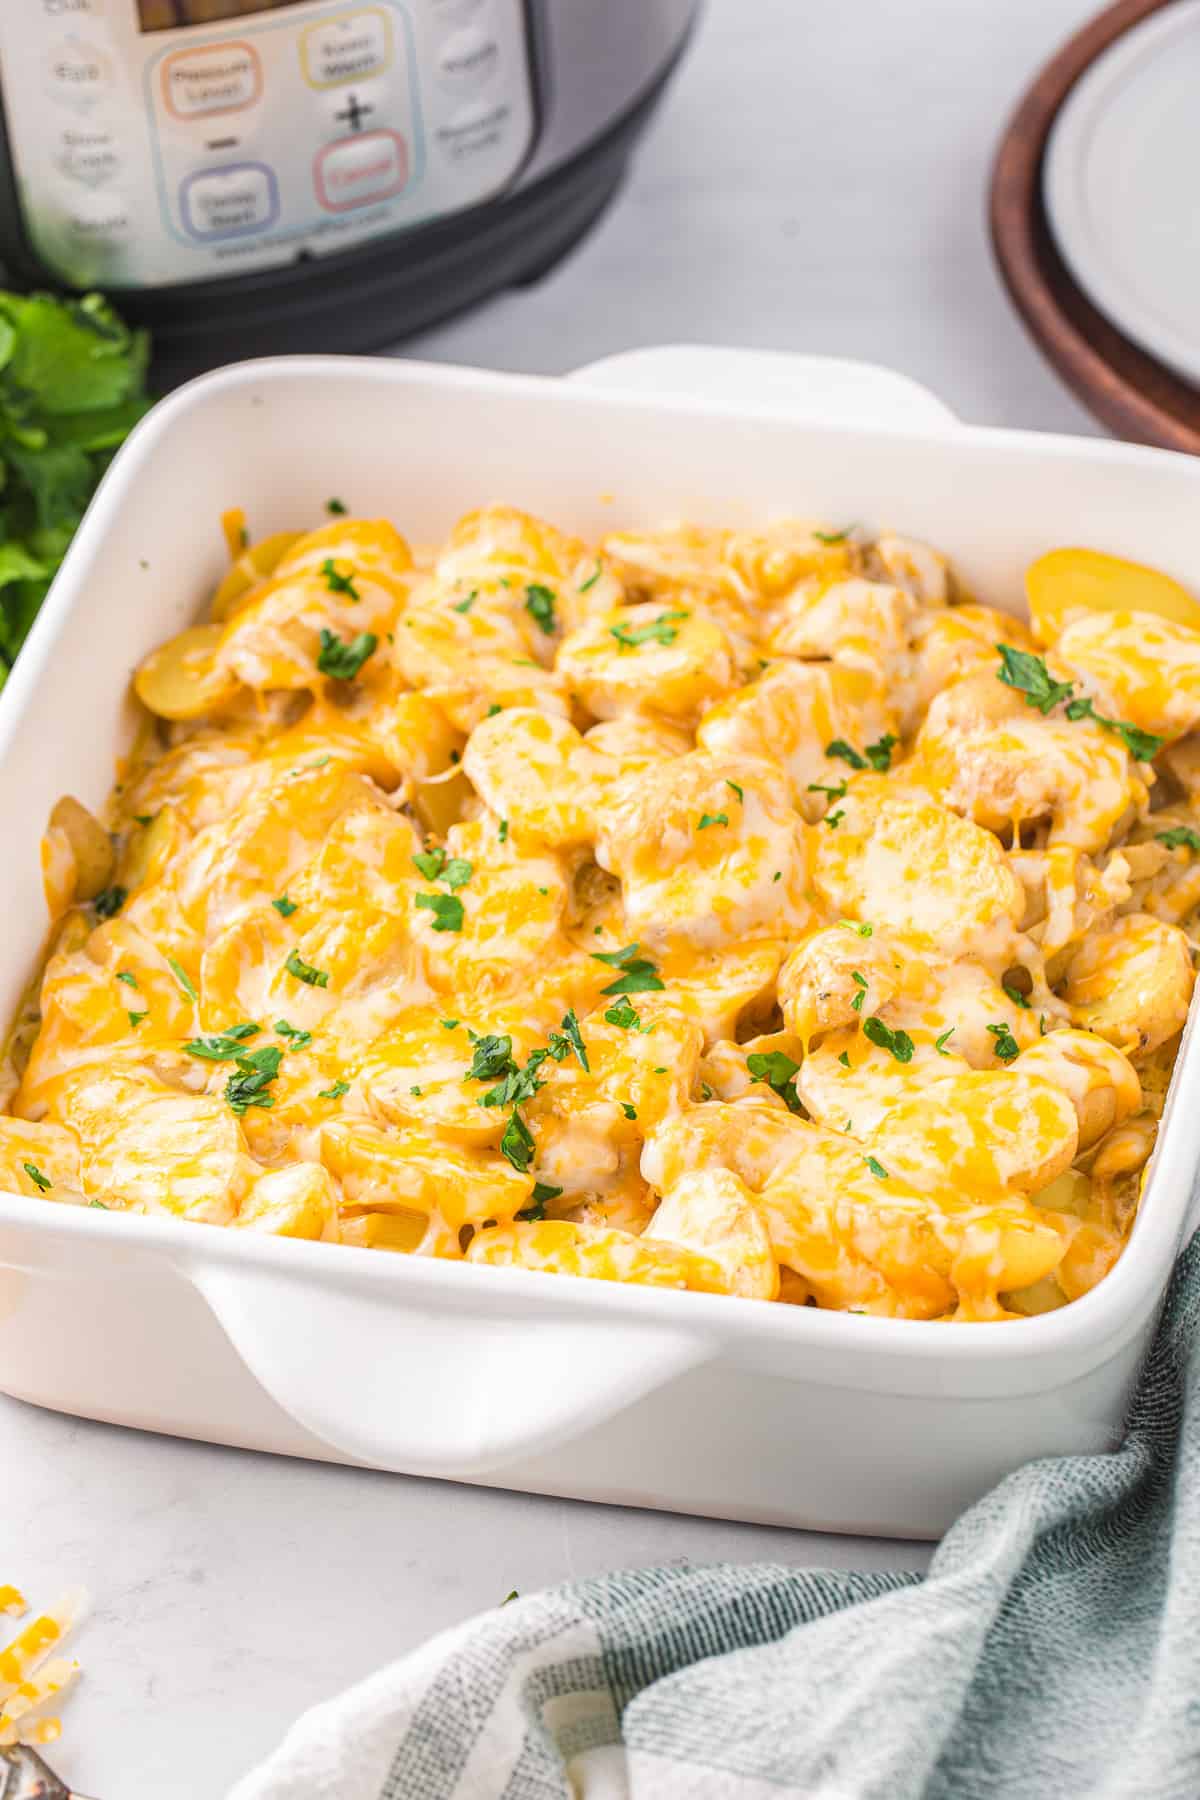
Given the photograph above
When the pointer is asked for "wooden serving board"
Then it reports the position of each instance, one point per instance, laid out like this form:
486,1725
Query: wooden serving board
1136,396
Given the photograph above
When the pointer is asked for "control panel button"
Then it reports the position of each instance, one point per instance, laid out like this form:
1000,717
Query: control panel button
230,202
468,58
88,155
474,130
220,78
98,219
348,47
78,74
357,170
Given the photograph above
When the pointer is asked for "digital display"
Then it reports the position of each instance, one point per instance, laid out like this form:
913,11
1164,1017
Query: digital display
168,15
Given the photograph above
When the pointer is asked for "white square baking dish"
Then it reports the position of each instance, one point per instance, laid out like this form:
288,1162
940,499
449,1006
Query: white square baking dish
693,1402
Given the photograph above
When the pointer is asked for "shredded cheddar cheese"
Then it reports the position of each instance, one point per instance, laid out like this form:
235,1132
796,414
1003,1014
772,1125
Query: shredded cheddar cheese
31,1678
739,911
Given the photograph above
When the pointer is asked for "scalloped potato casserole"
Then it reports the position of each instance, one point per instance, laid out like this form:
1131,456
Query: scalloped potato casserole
753,912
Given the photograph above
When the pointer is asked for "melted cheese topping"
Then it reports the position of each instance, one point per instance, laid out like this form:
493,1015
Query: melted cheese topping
698,911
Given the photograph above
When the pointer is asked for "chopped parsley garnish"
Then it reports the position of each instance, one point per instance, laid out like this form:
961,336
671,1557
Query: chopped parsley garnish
844,1059
1029,675
341,660
284,907
297,1039
1180,837
836,790
707,819
492,1057
1143,746
448,1024
847,752
736,789
833,537
493,709
98,1203
898,1042
430,863
336,507
253,1075
415,1090
629,1111
539,604
624,1015
638,974
338,583
662,630
834,819
41,1182
876,1167
860,982
879,754
458,872
940,1043
777,1070
109,901
447,910
135,1018
464,606
1006,1045
517,1145
569,1038
502,833
221,1046
182,977
778,875
335,1092
304,971
128,977
593,578
517,1085
1015,995
863,931
144,818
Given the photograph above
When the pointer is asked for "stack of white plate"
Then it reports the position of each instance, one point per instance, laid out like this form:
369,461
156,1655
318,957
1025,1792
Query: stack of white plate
1122,185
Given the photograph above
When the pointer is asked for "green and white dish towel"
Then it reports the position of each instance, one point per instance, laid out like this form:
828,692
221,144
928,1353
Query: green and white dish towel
1052,1652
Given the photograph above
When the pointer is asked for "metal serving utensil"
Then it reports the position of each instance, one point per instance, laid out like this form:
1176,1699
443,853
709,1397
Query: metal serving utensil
24,1776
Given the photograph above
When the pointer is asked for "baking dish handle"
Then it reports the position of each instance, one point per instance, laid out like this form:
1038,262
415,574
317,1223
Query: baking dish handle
425,1389
779,382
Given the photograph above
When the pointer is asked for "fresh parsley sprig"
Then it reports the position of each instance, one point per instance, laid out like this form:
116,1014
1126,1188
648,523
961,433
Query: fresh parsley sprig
662,630
638,974
897,1042
340,660
1029,676
778,1070
254,1073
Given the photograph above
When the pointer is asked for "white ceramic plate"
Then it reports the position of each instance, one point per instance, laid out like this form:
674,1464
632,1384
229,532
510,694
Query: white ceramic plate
1121,185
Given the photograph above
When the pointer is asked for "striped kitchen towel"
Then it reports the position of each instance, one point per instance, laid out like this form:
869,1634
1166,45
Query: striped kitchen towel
1051,1652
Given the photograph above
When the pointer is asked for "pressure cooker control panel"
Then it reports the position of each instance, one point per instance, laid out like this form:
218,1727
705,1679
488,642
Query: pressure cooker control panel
150,149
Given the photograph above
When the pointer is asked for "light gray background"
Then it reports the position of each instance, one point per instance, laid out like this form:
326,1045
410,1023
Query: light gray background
814,181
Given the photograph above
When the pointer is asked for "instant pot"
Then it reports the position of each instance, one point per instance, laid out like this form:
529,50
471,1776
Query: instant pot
249,176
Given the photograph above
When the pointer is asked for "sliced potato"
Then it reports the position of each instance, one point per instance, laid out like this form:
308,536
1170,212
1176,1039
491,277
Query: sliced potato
249,568
182,679
76,838
1066,581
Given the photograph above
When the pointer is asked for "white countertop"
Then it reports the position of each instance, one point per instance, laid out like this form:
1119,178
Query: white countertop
815,180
